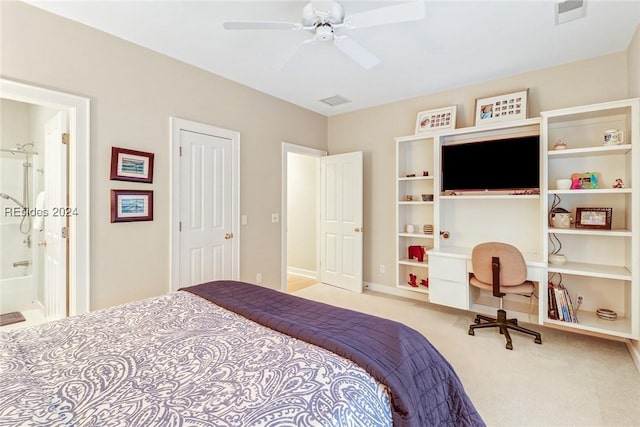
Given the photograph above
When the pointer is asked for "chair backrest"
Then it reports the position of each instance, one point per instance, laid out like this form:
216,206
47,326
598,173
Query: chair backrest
513,268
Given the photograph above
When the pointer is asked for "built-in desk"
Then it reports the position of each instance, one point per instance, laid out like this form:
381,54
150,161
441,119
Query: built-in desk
449,270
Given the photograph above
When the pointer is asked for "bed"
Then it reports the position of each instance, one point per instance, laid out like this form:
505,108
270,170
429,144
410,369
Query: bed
227,353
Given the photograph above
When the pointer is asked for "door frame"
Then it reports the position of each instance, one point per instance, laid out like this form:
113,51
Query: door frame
78,271
307,151
176,125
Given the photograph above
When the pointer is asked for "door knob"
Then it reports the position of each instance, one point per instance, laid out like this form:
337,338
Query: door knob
358,229
228,236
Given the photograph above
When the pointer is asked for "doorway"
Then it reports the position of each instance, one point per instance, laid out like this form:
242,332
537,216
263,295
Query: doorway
38,106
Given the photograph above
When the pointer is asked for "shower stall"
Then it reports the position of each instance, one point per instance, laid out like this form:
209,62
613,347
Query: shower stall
22,295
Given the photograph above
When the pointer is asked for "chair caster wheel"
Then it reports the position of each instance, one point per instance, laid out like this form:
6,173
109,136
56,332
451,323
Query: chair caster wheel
509,346
538,340
471,332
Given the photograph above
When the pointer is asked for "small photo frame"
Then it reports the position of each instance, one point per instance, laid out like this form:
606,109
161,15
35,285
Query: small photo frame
434,120
594,218
501,108
131,205
131,165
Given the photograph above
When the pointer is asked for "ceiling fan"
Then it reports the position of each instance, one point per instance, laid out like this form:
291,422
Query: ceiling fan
326,20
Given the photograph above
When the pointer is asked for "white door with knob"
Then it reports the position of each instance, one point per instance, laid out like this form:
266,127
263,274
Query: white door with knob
341,220
207,232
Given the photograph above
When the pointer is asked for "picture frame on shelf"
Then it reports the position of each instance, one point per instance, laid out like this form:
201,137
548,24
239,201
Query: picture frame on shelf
131,205
131,165
594,218
436,119
501,108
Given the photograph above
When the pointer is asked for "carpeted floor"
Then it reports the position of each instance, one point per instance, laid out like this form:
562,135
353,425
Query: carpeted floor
569,380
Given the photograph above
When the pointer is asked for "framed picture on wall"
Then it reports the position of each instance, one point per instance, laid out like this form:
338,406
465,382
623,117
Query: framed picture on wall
434,120
131,165
501,108
131,205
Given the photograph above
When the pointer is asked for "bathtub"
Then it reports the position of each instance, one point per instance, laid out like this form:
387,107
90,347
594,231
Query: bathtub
18,294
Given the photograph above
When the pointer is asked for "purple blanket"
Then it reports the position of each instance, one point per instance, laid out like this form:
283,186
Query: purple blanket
425,390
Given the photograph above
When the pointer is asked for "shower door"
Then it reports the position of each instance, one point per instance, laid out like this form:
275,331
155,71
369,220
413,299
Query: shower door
54,240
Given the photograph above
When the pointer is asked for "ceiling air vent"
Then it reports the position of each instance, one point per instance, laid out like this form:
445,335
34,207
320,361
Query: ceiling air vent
569,10
335,100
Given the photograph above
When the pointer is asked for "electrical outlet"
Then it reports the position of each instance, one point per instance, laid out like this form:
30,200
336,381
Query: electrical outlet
382,268
275,217
259,278
244,220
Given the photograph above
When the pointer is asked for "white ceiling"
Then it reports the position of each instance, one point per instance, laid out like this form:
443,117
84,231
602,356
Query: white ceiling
458,43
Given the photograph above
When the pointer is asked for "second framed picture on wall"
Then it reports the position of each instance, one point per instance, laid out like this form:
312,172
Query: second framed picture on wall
131,205
501,108
131,165
434,120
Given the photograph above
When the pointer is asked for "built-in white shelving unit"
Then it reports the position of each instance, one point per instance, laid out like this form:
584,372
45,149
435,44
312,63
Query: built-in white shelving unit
603,264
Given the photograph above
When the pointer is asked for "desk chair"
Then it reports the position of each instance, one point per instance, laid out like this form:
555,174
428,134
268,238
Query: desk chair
500,267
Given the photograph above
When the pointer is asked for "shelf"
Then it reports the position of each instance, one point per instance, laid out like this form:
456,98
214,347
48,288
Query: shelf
590,232
416,235
406,261
414,202
589,321
408,287
591,270
592,191
415,178
603,150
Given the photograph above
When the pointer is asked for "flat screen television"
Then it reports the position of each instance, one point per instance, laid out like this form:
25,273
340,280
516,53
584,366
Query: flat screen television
496,164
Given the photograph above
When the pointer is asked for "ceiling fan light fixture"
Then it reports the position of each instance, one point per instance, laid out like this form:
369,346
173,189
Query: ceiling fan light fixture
335,100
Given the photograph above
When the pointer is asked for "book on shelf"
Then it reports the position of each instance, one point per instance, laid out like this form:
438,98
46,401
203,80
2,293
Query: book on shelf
560,306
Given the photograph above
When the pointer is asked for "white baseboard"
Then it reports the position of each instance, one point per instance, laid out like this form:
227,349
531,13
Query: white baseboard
392,290
302,272
634,351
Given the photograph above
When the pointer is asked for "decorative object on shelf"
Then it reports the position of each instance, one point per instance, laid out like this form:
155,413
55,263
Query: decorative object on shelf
595,218
445,234
559,217
131,165
425,173
410,228
427,197
606,314
560,145
500,108
411,175
557,259
425,282
131,205
435,120
586,181
618,184
413,280
408,198
417,252
613,137
563,183
427,229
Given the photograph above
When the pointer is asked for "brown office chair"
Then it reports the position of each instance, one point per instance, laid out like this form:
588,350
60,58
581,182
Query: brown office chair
500,267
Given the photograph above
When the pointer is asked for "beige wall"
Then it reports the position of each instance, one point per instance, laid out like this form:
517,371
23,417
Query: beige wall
633,60
302,202
133,92
372,131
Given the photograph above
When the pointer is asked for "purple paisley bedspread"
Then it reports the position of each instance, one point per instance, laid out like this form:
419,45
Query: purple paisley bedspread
425,390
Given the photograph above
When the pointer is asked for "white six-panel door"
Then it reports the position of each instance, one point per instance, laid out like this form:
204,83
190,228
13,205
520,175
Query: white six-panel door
341,221
206,213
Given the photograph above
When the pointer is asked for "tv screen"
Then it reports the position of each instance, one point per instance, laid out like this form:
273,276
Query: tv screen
500,164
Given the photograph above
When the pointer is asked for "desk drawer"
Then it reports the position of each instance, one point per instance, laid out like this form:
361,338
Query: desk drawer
453,269
451,294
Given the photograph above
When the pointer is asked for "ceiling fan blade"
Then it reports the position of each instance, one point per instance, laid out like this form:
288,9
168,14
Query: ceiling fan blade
296,51
411,11
260,25
357,52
